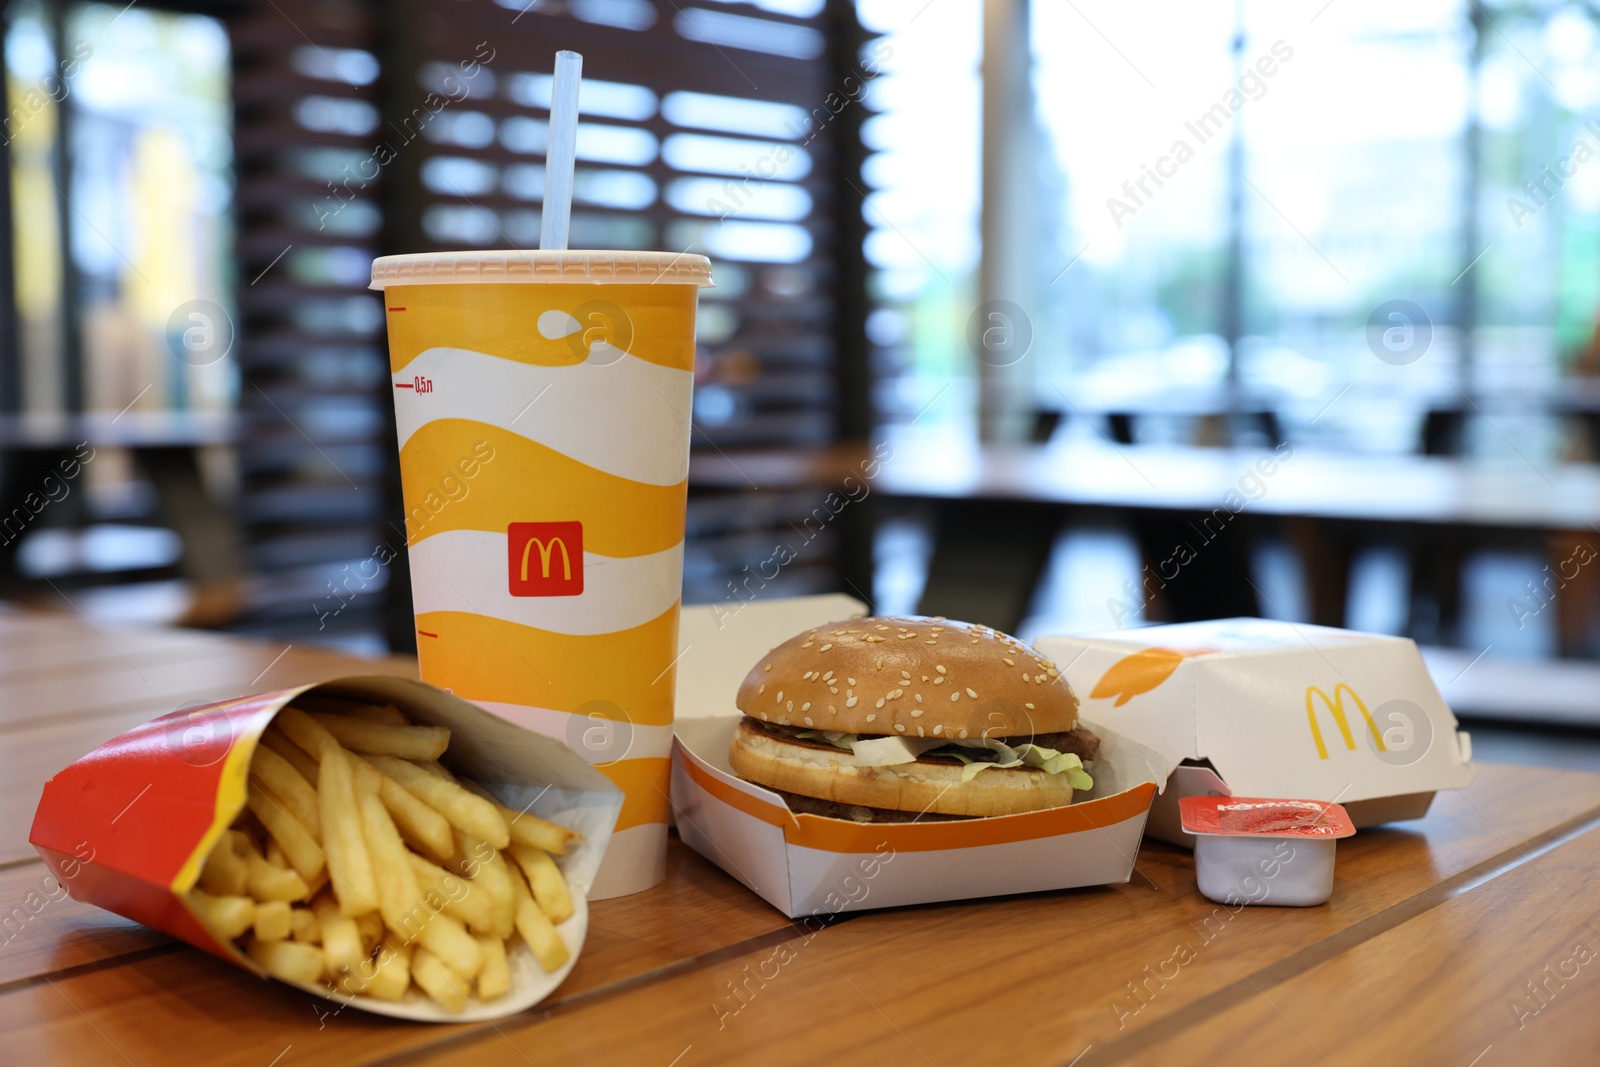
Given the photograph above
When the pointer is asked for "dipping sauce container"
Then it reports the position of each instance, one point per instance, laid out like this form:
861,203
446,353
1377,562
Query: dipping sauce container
1264,850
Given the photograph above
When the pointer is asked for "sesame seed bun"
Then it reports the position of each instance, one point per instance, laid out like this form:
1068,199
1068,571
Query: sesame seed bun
830,774
910,677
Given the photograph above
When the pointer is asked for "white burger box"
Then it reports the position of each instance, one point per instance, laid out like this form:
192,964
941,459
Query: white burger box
1277,709
805,865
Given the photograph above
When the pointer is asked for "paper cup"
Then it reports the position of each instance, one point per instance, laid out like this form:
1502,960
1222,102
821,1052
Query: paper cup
127,827
542,401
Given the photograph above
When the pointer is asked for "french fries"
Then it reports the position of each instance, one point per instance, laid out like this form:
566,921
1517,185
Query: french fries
544,878
527,828
349,862
386,739
467,812
363,865
290,960
280,778
385,713
227,917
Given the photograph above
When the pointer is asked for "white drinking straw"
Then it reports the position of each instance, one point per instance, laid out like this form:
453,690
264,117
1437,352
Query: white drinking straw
557,215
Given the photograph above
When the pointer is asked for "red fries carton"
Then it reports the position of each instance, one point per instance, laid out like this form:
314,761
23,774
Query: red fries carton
127,827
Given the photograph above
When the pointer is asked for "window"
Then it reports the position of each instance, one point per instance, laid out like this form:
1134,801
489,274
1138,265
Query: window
121,159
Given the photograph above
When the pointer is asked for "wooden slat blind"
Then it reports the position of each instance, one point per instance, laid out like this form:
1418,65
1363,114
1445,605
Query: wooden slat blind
428,121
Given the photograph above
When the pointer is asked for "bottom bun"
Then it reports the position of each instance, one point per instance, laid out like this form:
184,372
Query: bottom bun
831,774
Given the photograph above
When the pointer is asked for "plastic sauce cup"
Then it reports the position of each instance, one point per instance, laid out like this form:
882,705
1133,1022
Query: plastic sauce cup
542,401
1264,850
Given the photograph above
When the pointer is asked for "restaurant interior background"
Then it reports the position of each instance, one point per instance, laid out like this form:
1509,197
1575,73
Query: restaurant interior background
1352,232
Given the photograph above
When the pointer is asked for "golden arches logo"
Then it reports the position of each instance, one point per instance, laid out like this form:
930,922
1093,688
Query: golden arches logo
523,538
546,552
1335,704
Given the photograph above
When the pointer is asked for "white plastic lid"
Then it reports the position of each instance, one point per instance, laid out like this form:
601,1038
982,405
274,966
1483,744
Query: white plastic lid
535,267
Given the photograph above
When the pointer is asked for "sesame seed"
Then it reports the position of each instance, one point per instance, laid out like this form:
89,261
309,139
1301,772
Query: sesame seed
850,703
826,676
780,697
916,713
938,629
940,669
938,729
924,677
963,733
971,694
763,716
809,722
1025,677
975,640
871,717
788,705
807,705
808,644
900,727
880,627
878,664
832,710
769,666
939,680
920,734
880,702
1052,672
1008,661
825,648
850,681
917,697
833,689
1028,706
955,696
904,636
763,689
930,641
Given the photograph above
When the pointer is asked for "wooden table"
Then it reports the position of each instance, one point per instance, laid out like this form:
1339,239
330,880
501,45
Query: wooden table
1434,929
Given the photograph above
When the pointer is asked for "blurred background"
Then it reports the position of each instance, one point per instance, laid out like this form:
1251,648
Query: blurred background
1284,309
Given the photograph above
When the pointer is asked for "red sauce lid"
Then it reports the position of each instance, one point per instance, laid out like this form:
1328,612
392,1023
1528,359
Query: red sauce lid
1264,817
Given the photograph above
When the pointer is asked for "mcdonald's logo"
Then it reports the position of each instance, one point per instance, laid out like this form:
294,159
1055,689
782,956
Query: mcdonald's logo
1335,704
545,558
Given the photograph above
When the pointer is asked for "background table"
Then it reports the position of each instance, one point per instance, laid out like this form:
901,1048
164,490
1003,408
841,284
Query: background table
1438,929
998,510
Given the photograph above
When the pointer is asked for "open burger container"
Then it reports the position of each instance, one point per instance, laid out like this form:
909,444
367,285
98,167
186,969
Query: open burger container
127,827
1255,707
806,865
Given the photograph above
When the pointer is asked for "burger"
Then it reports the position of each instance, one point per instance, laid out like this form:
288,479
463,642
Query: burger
899,719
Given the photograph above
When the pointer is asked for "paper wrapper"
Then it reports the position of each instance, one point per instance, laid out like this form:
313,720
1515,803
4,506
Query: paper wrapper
1277,709
127,827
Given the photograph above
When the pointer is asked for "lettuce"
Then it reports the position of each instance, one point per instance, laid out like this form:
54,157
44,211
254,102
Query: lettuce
892,751
836,738
1028,755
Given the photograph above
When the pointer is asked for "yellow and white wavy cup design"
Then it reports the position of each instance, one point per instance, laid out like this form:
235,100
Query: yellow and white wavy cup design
542,401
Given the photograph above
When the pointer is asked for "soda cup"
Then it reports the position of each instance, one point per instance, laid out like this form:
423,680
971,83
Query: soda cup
542,401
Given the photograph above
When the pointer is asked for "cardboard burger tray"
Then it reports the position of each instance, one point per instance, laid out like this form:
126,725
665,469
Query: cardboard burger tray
1256,707
127,826
809,866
